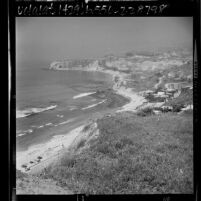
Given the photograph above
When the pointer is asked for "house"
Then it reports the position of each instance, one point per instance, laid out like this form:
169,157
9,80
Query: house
171,75
156,111
167,108
149,92
188,107
161,93
173,86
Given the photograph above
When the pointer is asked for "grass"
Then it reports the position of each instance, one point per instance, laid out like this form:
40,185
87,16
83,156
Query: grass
132,155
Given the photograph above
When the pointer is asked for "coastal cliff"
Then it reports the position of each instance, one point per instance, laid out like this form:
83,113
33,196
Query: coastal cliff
125,151
135,74
75,65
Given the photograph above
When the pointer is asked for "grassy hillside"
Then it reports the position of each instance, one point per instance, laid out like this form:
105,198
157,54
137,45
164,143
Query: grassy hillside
132,154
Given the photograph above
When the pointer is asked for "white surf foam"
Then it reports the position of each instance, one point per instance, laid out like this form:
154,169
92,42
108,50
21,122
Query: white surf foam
21,134
61,116
41,126
48,124
83,95
93,105
30,111
24,132
73,108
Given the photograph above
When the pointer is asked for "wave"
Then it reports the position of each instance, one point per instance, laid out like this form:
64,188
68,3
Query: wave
31,111
21,134
61,116
42,126
73,108
48,124
24,132
83,95
94,105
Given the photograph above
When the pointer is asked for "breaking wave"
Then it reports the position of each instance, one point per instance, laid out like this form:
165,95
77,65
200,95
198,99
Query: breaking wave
31,111
83,95
94,105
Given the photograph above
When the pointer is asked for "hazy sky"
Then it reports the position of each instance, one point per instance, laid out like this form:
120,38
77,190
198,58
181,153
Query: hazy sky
51,38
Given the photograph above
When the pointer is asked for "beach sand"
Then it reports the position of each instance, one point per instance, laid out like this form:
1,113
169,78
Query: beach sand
46,151
135,99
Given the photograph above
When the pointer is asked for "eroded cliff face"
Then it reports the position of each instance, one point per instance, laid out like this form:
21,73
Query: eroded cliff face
135,70
133,63
56,65
84,64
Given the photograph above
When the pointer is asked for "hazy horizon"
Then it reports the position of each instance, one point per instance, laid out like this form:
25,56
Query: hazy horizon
44,39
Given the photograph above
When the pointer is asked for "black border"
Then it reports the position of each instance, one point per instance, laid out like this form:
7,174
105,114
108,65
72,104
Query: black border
12,105
127,8
176,8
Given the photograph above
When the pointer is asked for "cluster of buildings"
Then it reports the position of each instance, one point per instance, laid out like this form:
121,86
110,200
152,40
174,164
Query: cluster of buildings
171,91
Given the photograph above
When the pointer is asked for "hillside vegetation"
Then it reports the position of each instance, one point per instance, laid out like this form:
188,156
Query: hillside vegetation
132,155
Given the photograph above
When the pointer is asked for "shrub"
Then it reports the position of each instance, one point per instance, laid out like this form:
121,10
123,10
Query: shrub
81,143
20,174
86,128
123,142
68,161
24,166
177,107
107,149
145,112
129,54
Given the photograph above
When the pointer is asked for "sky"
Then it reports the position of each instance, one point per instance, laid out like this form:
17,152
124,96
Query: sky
56,38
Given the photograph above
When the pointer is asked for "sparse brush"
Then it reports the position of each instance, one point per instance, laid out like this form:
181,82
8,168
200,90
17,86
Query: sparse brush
68,161
145,112
86,128
20,174
80,144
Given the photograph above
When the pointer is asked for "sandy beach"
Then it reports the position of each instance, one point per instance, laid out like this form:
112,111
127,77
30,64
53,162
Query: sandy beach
42,153
135,100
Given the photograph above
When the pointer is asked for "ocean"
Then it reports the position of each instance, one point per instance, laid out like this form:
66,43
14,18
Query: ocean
47,101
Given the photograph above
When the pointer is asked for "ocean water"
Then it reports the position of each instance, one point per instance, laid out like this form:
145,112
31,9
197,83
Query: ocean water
47,100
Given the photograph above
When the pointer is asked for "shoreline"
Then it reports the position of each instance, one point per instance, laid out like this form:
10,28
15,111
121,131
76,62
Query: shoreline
42,155
135,100
119,87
